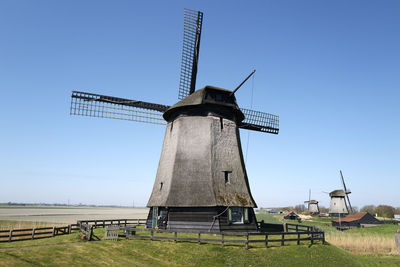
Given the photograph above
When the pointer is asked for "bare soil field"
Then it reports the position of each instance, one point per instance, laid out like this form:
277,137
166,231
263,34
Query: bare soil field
69,215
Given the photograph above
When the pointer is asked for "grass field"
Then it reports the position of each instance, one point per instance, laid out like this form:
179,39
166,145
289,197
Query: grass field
369,240
71,250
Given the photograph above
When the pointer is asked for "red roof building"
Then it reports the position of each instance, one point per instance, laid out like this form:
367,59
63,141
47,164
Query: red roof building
359,219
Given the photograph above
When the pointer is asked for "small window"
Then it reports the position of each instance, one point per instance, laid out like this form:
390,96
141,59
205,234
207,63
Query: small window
238,215
226,176
161,185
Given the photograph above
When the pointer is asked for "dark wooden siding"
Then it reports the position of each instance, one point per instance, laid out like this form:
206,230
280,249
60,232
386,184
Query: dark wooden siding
202,219
226,226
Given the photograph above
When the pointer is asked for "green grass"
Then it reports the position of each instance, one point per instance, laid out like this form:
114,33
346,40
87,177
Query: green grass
71,250
385,229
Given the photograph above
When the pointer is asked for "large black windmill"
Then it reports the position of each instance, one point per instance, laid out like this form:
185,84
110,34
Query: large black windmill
201,180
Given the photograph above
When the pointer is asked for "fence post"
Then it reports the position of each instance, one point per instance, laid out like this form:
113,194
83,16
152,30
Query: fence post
69,229
323,237
312,238
298,238
175,236
247,240
10,236
297,227
151,234
90,233
198,237
125,222
266,240
104,224
33,233
138,222
222,240
283,240
54,231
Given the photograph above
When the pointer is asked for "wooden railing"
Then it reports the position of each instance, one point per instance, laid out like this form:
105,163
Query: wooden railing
33,233
280,237
85,226
293,233
104,223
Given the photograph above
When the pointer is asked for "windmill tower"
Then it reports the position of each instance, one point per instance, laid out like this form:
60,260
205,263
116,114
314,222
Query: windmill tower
201,181
312,205
338,206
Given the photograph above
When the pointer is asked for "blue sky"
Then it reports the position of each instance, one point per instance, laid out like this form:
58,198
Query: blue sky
329,69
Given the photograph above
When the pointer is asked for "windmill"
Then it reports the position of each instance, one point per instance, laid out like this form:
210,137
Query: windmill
312,205
339,207
201,181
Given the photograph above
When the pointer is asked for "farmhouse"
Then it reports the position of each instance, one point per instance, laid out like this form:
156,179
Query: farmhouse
291,215
360,219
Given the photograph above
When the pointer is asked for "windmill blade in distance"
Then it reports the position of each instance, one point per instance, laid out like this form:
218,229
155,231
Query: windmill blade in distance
101,106
347,192
193,21
259,121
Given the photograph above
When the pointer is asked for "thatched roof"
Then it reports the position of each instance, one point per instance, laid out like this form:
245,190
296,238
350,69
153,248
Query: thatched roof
337,193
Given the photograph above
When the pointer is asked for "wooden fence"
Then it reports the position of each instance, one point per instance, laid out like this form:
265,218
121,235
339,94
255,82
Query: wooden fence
104,223
87,226
267,238
45,232
292,233
33,233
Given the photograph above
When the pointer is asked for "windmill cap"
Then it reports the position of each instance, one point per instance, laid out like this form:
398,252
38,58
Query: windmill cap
205,101
337,193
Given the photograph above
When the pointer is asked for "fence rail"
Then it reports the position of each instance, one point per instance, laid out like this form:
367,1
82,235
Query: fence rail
297,237
46,232
292,233
34,233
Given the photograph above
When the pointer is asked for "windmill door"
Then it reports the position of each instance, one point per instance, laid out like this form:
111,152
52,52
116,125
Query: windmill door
155,217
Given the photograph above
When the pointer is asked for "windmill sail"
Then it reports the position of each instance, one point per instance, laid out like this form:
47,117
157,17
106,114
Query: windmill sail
259,121
101,106
346,191
193,21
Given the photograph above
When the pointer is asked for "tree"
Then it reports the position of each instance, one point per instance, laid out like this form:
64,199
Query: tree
322,209
369,208
397,210
385,211
299,208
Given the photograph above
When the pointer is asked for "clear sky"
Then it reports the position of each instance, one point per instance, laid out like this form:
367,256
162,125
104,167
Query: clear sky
329,69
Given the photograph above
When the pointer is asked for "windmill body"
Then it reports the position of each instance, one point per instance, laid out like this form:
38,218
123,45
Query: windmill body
201,171
313,207
338,207
201,181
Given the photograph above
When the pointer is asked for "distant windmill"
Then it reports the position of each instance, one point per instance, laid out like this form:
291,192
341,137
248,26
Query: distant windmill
339,207
201,181
312,205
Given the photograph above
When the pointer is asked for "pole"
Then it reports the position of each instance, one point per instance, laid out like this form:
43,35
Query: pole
237,88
